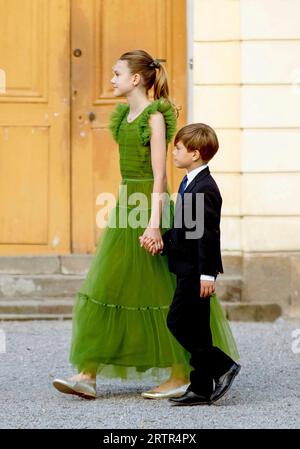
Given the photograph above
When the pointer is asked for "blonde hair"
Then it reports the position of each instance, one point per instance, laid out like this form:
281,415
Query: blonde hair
153,73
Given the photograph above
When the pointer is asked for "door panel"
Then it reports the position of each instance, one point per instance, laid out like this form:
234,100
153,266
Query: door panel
34,127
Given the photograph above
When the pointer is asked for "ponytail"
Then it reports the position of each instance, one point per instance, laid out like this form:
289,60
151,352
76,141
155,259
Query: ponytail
161,86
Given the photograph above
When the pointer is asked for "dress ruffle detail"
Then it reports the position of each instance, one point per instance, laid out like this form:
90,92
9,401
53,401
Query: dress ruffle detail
116,118
124,342
164,106
144,129
119,306
115,340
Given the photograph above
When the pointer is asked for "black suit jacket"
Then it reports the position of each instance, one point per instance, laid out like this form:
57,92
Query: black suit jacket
202,255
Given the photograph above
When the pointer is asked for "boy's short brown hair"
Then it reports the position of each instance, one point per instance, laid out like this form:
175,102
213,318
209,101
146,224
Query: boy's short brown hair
201,137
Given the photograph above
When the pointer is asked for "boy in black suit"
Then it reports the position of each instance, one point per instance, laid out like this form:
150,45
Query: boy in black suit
195,258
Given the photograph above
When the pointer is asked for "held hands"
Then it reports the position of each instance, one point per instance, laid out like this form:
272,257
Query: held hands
152,241
206,288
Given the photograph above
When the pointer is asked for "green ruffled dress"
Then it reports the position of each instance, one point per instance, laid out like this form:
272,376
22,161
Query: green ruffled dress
119,315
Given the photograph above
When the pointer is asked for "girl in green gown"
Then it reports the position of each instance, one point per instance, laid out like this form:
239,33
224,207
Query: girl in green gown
119,315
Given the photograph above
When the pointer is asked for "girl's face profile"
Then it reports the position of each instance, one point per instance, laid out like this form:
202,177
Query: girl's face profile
122,80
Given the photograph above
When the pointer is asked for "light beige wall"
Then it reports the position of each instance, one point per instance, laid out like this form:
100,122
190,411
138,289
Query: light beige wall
247,86
216,101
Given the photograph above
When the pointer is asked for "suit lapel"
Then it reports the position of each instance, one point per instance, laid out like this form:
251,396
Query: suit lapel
201,175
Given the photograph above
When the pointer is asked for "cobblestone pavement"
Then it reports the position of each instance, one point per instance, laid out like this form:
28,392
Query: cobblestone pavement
266,394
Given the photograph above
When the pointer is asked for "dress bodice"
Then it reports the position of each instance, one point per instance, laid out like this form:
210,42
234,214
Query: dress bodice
134,137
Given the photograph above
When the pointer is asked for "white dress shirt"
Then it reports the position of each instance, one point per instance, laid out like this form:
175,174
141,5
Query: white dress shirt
191,175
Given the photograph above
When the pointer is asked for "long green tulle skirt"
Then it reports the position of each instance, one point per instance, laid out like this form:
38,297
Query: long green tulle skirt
119,315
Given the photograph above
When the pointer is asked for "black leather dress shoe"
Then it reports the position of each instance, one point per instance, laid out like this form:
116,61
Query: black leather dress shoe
190,398
224,382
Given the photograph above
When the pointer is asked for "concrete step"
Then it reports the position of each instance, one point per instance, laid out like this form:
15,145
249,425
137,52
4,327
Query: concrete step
229,288
46,264
80,263
58,307
248,311
34,316
39,285
44,286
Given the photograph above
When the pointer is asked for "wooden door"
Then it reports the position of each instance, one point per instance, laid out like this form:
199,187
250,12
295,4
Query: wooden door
34,127
54,161
101,31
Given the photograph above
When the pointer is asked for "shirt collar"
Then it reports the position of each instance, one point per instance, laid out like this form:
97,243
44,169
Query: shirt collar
192,174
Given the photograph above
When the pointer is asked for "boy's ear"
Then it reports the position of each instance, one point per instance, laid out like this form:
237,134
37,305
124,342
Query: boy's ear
196,155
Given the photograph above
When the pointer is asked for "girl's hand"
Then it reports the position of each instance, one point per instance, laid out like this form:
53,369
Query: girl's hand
148,244
152,238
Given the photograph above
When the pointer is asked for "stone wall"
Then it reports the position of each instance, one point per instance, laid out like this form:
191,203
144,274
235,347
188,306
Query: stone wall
246,85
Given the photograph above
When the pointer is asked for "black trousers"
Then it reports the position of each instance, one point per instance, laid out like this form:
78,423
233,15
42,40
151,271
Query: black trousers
189,321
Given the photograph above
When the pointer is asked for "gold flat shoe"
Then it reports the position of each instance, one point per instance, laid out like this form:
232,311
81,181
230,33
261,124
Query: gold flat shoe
85,390
172,393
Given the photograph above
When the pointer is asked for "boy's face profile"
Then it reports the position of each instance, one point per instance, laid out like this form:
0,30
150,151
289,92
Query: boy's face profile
184,158
123,80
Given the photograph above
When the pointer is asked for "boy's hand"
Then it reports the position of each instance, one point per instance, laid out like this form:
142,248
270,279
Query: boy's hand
206,288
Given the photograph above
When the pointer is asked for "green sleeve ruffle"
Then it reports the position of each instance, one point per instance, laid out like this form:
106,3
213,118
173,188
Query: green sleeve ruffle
116,118
144,127
168,112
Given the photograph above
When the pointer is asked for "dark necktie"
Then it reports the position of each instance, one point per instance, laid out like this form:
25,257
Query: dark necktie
183,185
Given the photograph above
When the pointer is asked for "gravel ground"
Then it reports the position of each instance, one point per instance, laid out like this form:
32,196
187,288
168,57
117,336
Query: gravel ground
266,394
